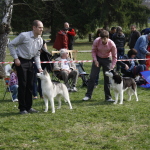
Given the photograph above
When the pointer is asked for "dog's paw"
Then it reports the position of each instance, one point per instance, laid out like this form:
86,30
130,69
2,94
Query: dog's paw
53,112
120,103
45,110
115,103
58,107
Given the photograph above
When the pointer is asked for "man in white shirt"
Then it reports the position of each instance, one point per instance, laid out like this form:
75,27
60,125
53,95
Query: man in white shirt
25,49
66,70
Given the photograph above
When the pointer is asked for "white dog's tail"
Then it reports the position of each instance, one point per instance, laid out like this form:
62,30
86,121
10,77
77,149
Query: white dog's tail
65,92
66,95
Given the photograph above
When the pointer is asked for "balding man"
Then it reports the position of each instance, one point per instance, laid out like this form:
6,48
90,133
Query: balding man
25,49
71,33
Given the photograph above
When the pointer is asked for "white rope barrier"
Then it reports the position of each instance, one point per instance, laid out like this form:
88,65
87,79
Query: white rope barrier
76,61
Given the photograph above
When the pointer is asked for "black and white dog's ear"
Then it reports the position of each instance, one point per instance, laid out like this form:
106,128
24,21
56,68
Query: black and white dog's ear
112,71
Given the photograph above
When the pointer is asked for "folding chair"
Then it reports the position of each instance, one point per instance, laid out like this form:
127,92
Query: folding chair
55,74
56,77
72,53
8,70
7,88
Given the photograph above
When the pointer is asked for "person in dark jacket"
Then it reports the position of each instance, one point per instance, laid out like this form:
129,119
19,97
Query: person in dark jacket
119,40
133,36
112,32
44,56
131,68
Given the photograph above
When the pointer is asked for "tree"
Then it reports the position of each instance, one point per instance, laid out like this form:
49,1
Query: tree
83,15
125,12
24,12
5,20
87,15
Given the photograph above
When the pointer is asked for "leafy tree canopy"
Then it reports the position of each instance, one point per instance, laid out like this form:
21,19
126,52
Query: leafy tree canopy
84,15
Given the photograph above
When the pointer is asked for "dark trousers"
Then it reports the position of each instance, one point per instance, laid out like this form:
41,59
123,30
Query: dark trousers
36,83
97,79
105,64
73,75
142,62
25,79
70,46
120,54
137,69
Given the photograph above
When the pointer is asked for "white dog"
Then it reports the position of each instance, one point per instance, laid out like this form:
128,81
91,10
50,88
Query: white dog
50,90
120,84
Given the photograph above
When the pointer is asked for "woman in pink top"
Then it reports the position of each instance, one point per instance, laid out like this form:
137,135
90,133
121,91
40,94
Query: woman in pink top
104,55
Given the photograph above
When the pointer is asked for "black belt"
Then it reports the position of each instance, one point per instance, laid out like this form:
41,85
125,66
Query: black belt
25,59
102,58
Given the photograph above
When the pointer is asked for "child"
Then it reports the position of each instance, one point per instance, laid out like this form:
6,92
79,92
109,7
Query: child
13,84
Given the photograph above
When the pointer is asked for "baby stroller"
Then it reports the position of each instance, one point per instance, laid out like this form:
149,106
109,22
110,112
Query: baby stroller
84,76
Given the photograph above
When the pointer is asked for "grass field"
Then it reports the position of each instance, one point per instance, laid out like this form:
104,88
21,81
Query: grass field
91,125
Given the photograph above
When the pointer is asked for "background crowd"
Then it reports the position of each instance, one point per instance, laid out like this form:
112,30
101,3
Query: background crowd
108,47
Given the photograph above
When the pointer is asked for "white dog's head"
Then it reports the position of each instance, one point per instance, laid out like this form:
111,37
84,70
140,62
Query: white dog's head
43,75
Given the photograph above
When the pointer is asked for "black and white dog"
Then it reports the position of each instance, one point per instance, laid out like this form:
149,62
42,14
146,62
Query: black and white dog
120,84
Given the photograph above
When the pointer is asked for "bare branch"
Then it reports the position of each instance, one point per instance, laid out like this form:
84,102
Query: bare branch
19,4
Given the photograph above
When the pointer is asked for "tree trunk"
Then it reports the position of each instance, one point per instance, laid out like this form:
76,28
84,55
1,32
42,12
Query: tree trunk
5,20
106,25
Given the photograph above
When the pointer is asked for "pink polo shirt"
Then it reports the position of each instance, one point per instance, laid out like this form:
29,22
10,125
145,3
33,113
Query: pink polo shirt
104,51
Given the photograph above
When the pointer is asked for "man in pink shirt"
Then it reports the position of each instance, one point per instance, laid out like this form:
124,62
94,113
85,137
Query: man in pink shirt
104,55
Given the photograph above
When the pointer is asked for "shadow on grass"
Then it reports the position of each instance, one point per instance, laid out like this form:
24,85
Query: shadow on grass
91,102
7,114
6,101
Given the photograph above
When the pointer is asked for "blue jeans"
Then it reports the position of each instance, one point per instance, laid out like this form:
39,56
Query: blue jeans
137,69
14,89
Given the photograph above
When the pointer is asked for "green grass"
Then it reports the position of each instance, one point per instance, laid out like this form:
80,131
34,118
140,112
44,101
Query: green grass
91,125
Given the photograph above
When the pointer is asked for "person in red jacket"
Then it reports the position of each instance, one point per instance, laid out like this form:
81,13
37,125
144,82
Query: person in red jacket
61,40
71,33
65,38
